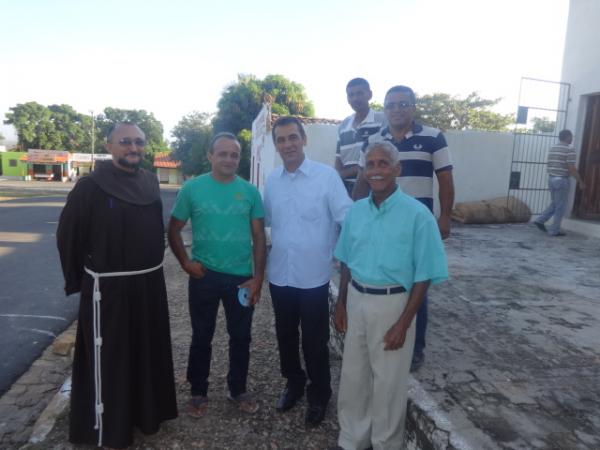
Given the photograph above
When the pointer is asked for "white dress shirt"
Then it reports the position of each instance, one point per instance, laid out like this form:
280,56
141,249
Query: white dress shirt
304,210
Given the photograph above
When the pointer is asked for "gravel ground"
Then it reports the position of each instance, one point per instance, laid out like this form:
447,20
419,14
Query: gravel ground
224,427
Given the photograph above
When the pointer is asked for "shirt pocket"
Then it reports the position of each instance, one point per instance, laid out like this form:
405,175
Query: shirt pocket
311,213
396,252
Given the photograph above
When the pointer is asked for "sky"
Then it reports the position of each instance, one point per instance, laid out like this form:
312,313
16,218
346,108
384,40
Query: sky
177,56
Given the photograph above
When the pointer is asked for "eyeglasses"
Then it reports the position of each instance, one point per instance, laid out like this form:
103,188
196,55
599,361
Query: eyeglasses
126,142
399,105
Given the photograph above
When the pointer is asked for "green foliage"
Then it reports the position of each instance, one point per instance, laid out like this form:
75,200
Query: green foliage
245,138
242,101
448,112
192,137
57,127
375,106
543,125
27,118
60,127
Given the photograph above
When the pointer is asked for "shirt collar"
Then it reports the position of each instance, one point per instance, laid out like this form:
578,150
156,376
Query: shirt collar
416,129
387,203
369,118
303,169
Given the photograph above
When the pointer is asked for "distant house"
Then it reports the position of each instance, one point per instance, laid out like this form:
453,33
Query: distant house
168,170
13,165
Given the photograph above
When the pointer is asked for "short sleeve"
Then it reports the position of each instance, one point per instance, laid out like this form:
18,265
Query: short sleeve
440,154
183,209
429,257
258,210
342,247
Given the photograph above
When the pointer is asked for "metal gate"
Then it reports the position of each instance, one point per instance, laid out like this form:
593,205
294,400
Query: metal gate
541,115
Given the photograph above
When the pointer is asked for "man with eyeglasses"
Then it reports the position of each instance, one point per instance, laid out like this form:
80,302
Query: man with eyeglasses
110,238
355,130
228,253
423,152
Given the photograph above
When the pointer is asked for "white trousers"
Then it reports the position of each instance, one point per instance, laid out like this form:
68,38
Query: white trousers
373,384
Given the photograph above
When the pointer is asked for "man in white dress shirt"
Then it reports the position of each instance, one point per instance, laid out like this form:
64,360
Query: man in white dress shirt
305,202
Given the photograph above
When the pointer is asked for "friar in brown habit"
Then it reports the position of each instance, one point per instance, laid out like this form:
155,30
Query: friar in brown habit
111,243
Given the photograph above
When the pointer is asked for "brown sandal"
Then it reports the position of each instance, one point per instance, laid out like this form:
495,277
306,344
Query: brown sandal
197,406
245,403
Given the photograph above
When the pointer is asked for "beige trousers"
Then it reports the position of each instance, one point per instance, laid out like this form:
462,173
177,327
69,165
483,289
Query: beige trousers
373,384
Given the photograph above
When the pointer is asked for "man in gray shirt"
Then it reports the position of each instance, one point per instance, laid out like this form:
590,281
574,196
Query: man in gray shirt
561,165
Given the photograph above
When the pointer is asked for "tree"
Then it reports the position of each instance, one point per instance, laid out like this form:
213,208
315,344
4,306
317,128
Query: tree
192,137
543,125
57,127
33,125
74,129
60,127
1,137
241,102
448,112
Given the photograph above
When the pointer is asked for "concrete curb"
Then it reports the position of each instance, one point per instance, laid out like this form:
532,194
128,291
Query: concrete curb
430,426
44,424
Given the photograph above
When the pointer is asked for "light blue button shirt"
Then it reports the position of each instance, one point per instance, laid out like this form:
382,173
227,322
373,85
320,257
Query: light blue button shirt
304,210
398,243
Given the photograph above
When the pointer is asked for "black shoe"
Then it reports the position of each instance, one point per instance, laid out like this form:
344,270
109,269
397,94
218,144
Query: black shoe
288,399
314,415
417,361
541,226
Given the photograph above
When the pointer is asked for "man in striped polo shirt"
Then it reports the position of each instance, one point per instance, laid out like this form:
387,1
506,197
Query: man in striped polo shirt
561,164
355,130
423,152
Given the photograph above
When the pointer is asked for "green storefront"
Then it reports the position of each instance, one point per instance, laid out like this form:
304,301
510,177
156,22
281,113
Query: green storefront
13,164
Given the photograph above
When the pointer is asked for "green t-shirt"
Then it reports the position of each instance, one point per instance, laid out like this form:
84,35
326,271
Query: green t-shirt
220,215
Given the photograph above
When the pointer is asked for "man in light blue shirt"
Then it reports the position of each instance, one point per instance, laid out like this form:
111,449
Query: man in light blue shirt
391,251
305,202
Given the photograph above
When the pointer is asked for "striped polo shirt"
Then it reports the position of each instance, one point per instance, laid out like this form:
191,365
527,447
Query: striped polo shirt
560,156
423,152
351,140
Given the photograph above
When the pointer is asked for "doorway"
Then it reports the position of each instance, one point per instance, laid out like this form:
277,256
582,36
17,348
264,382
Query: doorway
587,201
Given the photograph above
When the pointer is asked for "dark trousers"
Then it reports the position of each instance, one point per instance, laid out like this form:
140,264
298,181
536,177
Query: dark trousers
421,327
309,310
204,297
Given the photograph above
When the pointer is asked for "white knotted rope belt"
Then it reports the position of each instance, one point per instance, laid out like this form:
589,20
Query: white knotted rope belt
99,406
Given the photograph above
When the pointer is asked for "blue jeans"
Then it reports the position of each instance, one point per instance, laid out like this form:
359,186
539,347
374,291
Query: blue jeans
204,296
559,193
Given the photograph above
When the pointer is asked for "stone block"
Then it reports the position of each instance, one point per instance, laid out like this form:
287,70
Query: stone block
63,344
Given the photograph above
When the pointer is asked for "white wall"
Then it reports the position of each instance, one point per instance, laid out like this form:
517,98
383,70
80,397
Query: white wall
581,66
581,60
481,161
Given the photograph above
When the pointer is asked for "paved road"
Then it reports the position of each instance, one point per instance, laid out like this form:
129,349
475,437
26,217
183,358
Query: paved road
33,307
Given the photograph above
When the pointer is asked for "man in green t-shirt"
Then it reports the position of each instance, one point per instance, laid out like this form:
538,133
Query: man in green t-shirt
228,253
